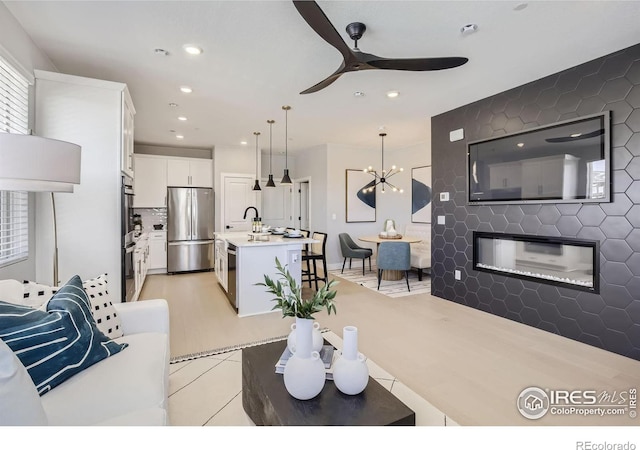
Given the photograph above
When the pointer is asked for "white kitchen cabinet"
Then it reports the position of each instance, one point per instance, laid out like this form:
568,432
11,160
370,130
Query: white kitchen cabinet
127,163
195,172
140,264
506,175
550,177
221,266
150,182
158,251
89,113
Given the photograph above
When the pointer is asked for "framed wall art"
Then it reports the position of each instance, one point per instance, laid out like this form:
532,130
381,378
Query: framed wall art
360,206
421,194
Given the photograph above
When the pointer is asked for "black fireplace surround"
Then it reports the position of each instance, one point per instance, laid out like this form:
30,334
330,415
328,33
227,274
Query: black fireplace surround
564,262
609,319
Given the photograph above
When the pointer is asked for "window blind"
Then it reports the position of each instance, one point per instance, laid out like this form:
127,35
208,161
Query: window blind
14,206
14,227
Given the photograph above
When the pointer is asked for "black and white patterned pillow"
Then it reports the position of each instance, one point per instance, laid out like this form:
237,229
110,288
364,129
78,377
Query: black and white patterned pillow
37,295
56,343
102,307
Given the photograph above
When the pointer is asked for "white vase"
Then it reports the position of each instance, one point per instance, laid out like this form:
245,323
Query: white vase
316,335
350,371
304,373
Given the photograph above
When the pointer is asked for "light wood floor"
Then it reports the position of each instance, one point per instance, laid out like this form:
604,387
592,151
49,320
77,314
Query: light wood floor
469,364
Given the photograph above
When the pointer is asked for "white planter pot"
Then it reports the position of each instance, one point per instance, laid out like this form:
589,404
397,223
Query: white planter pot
350,371
316,342
304,374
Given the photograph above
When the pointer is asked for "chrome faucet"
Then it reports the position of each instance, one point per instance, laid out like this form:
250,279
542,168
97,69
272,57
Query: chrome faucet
246,210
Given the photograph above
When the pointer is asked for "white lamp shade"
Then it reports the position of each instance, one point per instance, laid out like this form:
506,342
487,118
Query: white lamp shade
37,164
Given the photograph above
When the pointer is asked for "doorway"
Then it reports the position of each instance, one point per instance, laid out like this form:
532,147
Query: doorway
302,203
236,196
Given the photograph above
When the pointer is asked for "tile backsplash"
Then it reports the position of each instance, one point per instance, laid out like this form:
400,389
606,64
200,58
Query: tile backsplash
151,217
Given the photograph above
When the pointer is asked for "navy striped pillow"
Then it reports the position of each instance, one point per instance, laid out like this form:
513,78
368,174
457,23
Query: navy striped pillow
57,344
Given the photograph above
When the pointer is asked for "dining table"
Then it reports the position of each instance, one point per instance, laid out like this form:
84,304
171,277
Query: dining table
390,275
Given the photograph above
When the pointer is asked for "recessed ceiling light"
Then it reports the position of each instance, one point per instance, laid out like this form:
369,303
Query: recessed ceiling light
192,49
173,105
182,118
575,135
186,89
358,94
520,144
179,136
243,142
393,94
469,28
161,52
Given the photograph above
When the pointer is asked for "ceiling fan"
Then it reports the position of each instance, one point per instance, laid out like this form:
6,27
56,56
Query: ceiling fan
355,60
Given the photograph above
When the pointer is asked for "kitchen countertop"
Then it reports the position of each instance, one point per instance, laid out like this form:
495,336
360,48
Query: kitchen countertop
241,239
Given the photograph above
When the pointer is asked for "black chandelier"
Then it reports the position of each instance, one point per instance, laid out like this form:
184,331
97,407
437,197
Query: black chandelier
256,187
270,183
286,179
382,178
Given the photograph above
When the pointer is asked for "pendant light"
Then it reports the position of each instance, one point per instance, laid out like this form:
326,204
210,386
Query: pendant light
256,187
382,178
286,179
270,183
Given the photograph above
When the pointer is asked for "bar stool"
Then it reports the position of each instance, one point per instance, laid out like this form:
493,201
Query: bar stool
316,252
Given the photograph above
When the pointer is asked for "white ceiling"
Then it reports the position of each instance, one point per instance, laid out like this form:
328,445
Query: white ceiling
258,56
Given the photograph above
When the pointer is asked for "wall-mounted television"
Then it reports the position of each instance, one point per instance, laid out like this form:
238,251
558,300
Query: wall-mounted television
565,162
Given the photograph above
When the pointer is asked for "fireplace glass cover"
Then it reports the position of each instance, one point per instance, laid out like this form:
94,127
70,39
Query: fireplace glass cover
565,262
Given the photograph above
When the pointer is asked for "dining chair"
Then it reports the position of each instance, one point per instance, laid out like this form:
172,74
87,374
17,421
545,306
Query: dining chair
352,250
316,252
394,256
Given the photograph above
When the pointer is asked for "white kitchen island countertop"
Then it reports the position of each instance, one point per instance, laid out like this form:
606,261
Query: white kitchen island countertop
242,239
254,259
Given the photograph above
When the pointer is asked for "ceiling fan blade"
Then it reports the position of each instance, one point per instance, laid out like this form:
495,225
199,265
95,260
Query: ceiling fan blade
558,140
324,83
316,18
415,64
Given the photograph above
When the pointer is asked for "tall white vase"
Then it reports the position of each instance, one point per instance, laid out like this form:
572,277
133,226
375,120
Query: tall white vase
350,371
316,337
304,373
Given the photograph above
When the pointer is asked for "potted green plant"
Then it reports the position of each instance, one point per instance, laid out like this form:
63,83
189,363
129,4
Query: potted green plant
288,295
304,372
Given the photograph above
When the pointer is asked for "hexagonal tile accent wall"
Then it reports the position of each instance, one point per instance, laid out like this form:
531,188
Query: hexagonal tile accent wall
609,320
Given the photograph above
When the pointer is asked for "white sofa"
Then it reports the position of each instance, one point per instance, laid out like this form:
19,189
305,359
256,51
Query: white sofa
420,251
128,388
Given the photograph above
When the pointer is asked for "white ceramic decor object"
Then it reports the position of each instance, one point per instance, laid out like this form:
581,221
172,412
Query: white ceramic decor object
350,371
304,374
316,335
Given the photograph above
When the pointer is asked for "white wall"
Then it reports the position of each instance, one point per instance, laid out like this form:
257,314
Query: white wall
312,163
145,149
238,159
391,205
17,47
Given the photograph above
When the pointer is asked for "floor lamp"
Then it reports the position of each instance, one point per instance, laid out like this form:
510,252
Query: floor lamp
36,164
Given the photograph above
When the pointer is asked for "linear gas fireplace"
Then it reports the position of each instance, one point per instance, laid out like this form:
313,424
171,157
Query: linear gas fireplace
565,262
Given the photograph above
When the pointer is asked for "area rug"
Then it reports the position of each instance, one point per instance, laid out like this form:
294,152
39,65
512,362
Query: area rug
231,348
393,289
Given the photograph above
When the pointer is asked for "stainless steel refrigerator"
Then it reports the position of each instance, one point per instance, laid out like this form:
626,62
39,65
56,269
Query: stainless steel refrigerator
190,245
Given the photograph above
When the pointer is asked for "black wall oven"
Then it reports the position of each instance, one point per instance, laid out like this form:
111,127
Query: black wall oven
128,244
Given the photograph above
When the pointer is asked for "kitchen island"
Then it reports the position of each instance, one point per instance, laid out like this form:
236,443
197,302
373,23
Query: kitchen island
242,261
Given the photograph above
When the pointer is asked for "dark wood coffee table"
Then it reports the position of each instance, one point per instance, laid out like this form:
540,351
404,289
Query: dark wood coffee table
267,402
